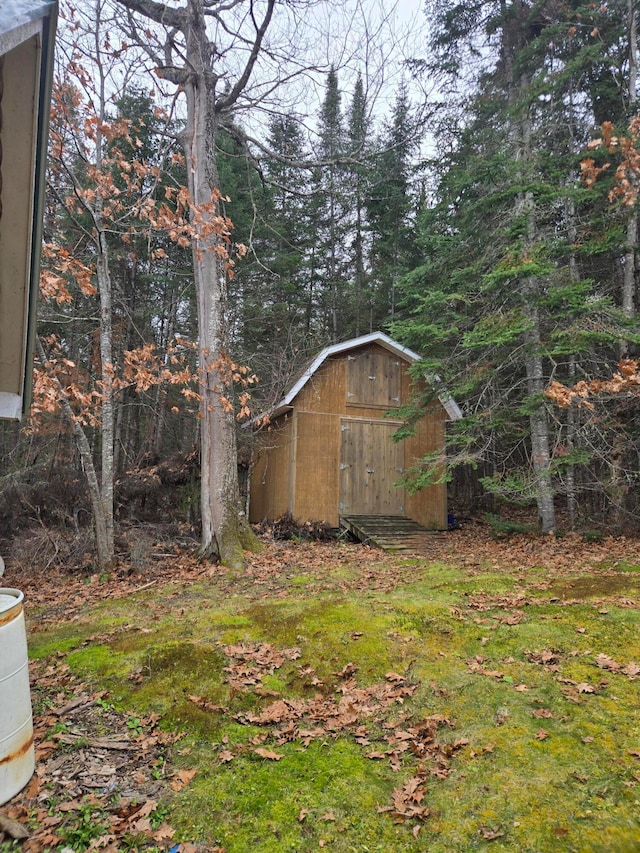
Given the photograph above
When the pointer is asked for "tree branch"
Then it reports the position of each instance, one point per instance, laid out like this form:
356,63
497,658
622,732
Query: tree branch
234,94
158,12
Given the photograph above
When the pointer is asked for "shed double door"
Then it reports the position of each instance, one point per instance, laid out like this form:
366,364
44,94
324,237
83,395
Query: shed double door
370,463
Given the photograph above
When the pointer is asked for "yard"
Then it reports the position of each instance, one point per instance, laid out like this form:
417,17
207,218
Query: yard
482,696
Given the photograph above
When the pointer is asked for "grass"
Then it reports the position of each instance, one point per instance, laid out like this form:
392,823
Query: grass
547,766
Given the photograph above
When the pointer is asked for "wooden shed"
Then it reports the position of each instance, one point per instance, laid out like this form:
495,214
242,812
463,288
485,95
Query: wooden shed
27,30
328,450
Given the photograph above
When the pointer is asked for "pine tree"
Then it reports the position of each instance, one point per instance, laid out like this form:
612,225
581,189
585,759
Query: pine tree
506,297
391,207
358,178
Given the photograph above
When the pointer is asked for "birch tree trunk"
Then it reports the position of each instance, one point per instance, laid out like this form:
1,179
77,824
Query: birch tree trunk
104,544
631,242
103,277
225,531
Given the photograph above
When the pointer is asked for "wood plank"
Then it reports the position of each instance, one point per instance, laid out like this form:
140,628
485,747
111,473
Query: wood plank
370,466
394,534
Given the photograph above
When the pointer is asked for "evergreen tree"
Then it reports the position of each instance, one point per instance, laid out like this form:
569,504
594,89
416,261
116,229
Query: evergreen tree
504,298
328,262
358,178
391,207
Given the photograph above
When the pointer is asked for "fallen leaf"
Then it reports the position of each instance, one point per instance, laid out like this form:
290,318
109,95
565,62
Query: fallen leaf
605,662
182,778
542,734
490,833
268,753
164,832
13,828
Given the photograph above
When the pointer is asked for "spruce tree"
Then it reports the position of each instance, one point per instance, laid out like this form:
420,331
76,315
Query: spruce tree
511,290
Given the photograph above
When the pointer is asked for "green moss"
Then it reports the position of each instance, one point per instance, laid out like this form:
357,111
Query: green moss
573,786
98,661
329,792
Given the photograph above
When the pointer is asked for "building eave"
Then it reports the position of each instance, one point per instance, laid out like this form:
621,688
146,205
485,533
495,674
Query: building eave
25,25
449,404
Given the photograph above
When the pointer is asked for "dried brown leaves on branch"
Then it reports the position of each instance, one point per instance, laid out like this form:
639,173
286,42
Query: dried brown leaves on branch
626,381
626,149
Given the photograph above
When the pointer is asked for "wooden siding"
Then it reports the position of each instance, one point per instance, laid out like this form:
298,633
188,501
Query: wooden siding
371,463
355,387
270,486
325,392
21,70
373,378
316,467
428,506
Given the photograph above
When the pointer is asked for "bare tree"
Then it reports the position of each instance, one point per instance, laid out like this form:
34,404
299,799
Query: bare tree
191,61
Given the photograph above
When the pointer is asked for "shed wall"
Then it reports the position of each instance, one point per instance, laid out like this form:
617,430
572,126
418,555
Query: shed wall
316,467
306,464
428,506
20,72
270,484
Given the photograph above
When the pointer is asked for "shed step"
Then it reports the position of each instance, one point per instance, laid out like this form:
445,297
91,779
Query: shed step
395,534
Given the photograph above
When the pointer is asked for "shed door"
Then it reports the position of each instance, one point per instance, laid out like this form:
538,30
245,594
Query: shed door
370,463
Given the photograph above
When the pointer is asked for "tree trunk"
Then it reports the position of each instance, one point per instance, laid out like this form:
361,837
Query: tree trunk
104,542
103,276
534,368
631,242
107,419
540,455
224,531
574,275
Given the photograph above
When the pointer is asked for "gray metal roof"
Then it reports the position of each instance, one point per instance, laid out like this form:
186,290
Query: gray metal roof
16,13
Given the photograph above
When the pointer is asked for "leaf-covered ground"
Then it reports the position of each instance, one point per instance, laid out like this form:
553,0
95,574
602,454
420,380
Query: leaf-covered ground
482,695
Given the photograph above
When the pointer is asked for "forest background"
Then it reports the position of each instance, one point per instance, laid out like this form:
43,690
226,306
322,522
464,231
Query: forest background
507,255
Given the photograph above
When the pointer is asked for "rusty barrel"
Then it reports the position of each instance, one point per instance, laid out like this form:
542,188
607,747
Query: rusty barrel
16,726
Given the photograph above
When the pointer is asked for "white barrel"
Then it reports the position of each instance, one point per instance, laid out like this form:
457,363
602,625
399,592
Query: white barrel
17,761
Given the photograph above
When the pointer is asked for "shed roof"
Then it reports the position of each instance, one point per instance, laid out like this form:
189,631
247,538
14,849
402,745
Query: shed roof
449,404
